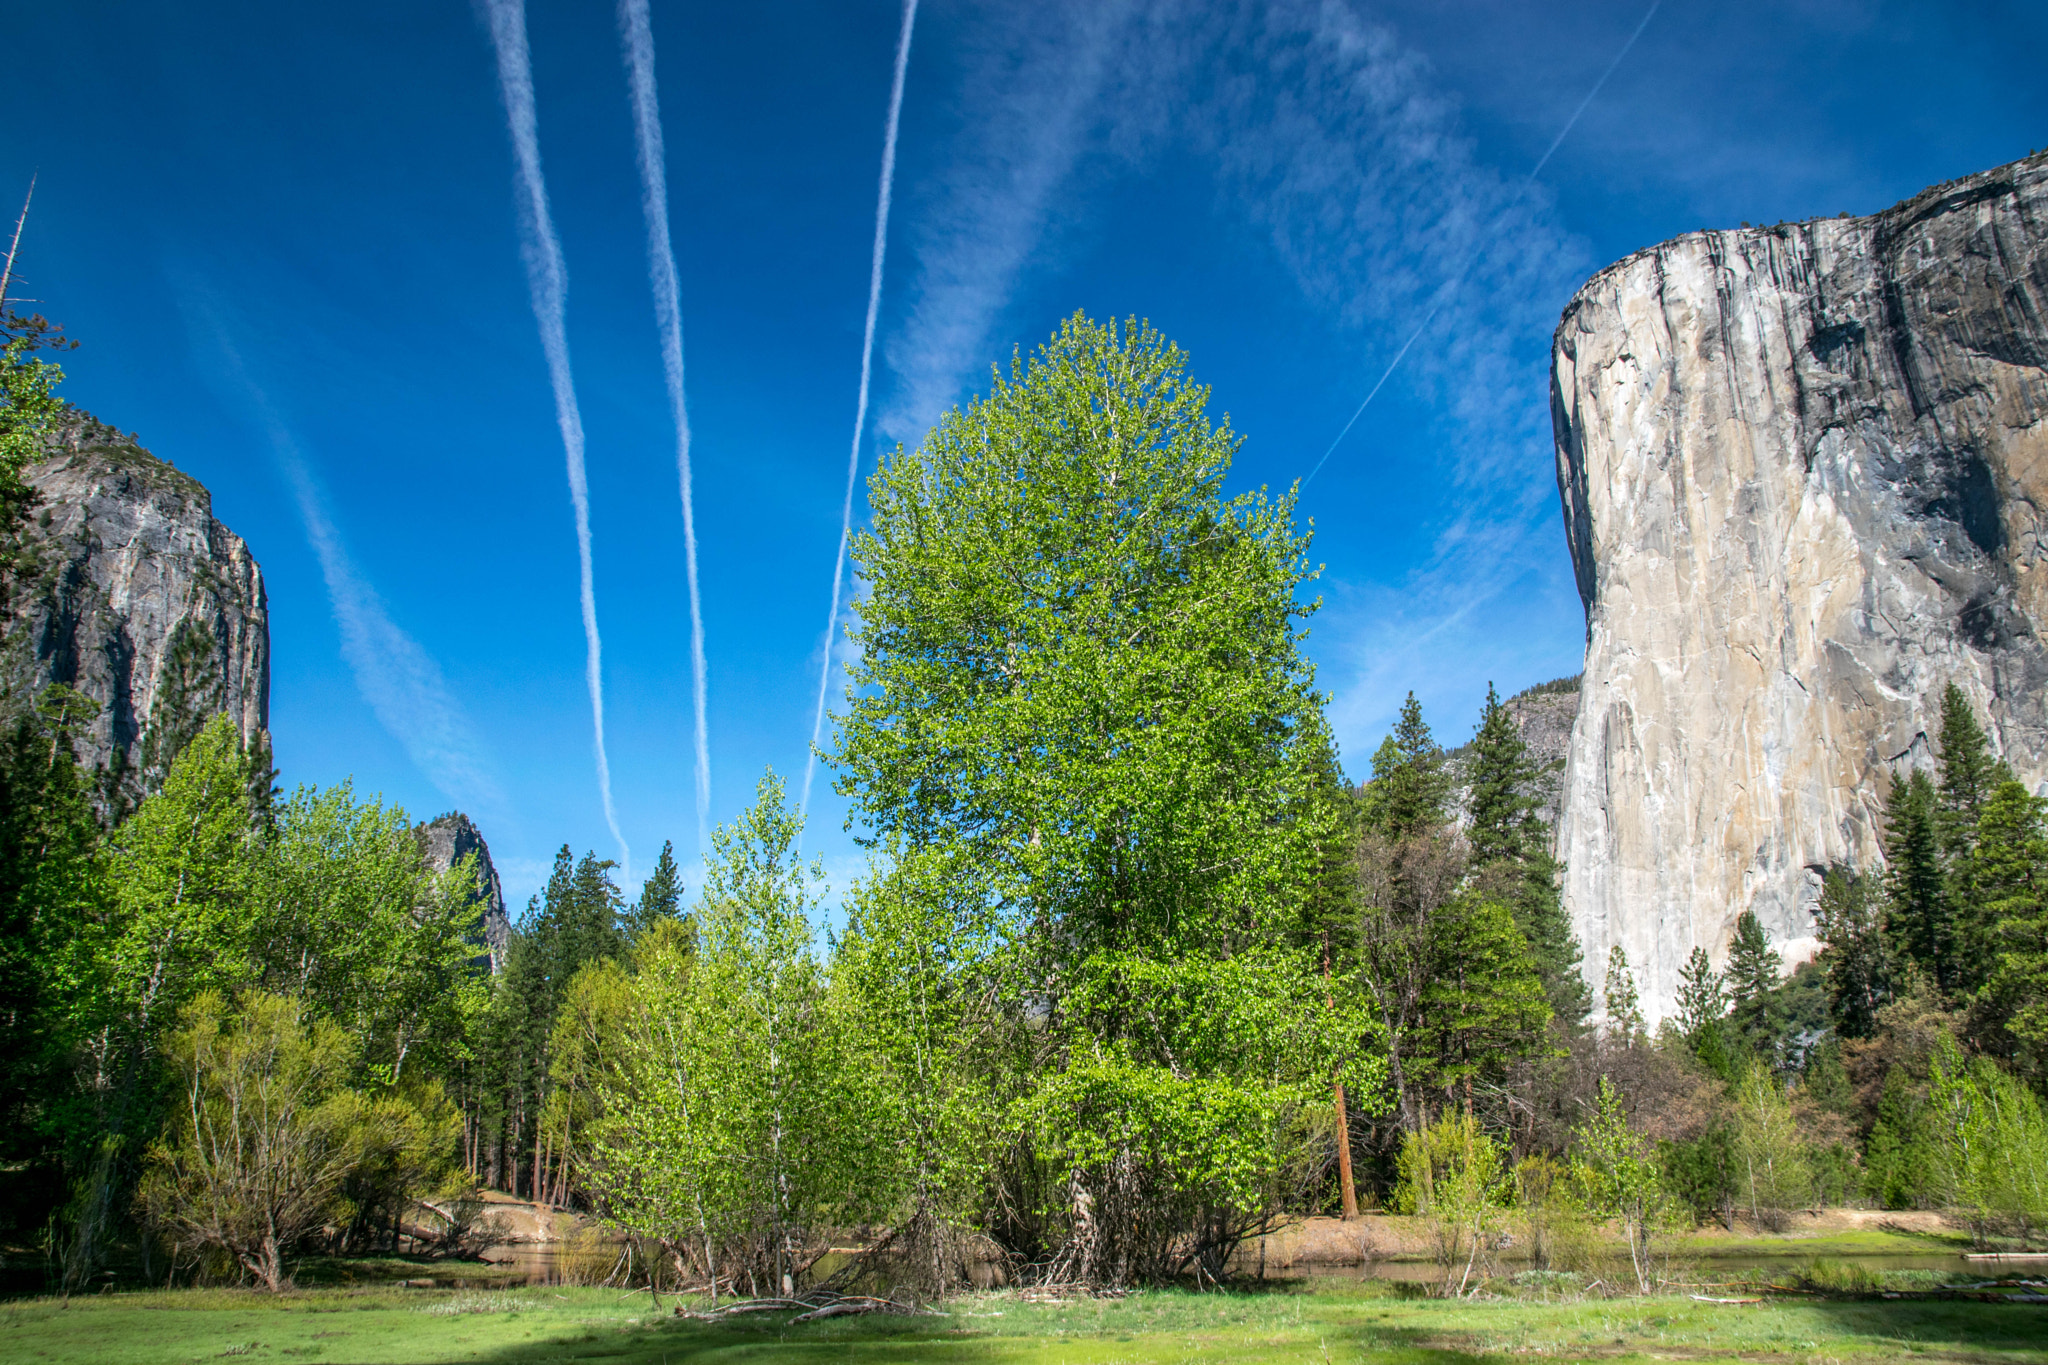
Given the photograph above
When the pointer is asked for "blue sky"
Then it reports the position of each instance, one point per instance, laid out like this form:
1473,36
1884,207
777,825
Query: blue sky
287,237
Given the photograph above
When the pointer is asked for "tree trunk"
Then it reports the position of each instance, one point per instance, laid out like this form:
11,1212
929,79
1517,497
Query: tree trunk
1344,1181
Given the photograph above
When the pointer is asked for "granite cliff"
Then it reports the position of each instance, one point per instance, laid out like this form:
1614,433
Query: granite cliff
449,838
126,588
1804,471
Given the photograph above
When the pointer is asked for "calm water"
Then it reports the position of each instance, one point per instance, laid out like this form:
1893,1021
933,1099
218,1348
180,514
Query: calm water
540,1265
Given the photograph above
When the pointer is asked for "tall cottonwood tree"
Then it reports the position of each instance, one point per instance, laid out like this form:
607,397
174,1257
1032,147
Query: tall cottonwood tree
1079,672
729,1121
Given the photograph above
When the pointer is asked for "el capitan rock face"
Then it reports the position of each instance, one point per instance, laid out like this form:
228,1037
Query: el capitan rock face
130,591
1804,471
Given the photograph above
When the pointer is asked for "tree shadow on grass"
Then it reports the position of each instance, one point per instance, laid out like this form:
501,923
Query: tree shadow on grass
1960,1329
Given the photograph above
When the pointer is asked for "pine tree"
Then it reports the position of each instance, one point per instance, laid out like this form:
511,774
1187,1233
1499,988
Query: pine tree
1485,1004
1858,959
1916,889
1701,1002
1754,969
1621,1000
1969,775
1511,854
1500,811
574,922
1753,965
2004,929
1409,786
661,896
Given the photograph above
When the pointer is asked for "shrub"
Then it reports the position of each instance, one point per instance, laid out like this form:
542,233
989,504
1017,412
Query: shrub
1618,1179
268,1134
1989,1147
1454,1177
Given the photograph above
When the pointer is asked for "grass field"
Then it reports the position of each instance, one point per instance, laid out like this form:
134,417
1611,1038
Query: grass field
1308,1322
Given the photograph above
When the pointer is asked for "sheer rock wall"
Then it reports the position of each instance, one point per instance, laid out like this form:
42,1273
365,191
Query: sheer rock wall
1804,471
129,590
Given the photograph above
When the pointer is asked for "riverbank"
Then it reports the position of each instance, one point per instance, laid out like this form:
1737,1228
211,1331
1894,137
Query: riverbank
1311,1322
1321,1245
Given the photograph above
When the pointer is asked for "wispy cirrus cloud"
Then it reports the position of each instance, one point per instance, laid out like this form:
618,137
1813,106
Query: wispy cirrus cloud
1336,142
400,680
636,34
1026,102
884,195
1444,271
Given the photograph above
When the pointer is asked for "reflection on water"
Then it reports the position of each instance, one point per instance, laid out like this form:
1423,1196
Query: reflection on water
544,1265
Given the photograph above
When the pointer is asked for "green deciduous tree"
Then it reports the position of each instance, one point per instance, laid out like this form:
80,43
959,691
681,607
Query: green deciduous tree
1989,1144
1455,1177
735,1122
921,965
29,406
1618,1179
1773,1173
1079,676
179,872
345,914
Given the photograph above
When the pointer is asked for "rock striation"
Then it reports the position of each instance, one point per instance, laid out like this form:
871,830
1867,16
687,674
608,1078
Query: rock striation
1804,471
125,587
447,839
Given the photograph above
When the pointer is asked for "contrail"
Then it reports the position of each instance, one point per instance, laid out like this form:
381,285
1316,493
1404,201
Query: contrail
547,279
1443,291
638,36
860,412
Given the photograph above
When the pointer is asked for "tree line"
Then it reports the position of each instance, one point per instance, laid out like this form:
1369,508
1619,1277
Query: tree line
1133,974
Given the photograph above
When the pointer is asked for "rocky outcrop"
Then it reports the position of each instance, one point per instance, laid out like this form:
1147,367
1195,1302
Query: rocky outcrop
127,589
447,839
1804,471
1543,717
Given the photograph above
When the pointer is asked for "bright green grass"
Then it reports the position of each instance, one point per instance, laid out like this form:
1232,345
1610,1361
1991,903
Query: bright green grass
1363,1322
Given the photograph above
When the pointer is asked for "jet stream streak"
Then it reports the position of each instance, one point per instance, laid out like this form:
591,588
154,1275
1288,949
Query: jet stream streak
1445,290
860,414
547,280
637,35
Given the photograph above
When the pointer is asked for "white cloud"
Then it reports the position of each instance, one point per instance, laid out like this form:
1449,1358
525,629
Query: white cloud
399,679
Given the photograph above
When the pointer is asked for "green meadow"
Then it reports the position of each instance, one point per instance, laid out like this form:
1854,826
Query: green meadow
1309,1322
